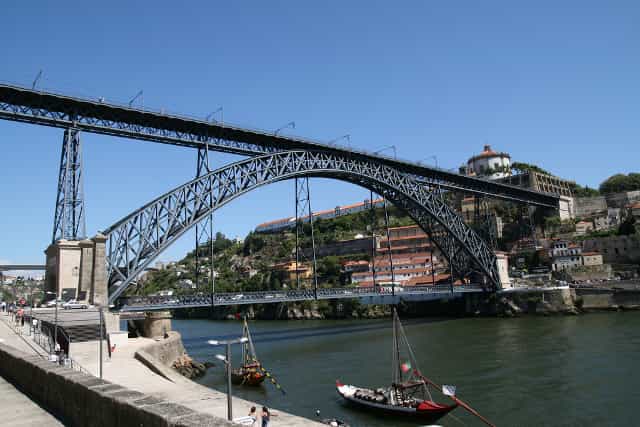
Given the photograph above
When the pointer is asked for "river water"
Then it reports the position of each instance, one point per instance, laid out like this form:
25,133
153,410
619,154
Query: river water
530,371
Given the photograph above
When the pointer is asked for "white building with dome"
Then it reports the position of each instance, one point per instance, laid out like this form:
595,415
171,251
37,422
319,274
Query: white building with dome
489,164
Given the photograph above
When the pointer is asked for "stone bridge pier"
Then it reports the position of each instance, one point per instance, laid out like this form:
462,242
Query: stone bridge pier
77,269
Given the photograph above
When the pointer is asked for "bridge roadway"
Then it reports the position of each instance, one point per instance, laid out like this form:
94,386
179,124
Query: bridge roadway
22,267
369,295
96,116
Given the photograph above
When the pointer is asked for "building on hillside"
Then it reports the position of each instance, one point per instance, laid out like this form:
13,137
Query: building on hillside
7,280
590,259
620,200
355,266
546,184
588,207
565,255
489,164
583,227
615,249
292,270
633,210
290,222
415,260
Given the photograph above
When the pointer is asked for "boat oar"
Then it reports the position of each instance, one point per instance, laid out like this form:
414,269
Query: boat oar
271,378
458,401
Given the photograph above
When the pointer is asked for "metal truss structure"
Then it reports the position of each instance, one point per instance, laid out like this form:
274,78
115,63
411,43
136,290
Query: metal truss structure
368,294
49,109
69,220
303,210
135,241
485,221
204,228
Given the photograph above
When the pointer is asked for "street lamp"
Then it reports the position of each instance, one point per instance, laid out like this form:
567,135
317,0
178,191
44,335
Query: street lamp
434,157
387,147
55,334
291,125
210,116
227,362
345,137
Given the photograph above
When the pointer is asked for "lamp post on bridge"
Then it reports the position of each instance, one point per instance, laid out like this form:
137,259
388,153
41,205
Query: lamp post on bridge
227,362
291,125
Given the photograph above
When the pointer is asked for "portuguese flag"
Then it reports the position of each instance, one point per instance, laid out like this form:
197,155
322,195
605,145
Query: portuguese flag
405,367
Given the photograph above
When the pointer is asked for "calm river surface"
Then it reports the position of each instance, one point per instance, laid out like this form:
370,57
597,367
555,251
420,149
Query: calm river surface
533,371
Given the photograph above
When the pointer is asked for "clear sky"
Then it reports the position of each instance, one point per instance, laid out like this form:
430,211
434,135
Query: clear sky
552,83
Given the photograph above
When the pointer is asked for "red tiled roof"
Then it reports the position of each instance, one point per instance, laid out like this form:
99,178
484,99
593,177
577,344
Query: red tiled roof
488,152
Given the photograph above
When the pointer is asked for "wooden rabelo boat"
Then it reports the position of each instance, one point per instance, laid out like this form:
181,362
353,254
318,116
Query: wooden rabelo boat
251,371
409,394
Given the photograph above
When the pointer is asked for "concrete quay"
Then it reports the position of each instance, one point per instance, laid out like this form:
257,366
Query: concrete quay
132,378
164,383
17,408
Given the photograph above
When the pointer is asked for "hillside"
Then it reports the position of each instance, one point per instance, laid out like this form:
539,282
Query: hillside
248,265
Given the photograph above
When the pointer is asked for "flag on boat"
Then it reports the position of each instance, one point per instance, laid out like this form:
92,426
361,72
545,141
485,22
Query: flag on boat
406,367
449,390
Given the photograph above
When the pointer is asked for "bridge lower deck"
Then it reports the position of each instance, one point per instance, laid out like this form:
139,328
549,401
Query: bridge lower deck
367,295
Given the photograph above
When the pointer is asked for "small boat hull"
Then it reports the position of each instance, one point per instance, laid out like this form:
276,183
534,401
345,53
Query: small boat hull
425,411
251,378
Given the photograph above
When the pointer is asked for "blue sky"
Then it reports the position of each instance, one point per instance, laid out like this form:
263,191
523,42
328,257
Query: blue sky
552,83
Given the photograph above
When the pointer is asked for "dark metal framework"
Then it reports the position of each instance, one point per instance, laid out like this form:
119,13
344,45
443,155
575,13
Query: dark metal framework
152,303
485,221
303,210
136,240
69,220
204,229
49,109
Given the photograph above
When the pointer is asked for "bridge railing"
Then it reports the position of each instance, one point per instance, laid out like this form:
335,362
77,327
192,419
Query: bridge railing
263,297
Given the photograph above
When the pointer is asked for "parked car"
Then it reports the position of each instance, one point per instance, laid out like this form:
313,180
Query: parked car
52,303
237,297
73,304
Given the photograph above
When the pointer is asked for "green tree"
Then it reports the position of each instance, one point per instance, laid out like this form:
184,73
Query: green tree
621,182
627,227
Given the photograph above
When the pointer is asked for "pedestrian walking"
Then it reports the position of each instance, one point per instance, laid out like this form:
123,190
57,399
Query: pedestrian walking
266,416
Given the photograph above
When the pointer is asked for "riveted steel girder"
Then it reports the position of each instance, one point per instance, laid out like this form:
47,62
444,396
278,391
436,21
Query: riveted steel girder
136,240
50,109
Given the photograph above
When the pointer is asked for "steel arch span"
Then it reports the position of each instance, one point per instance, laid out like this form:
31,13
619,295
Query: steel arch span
136,240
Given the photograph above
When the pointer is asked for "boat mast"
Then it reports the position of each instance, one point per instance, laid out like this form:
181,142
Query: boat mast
397,372
245,328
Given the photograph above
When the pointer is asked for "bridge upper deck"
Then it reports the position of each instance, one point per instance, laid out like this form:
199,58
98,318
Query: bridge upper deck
96,116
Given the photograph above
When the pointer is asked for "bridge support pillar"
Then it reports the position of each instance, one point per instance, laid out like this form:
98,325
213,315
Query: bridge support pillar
156,324
62,275
99,283
76,269
502,264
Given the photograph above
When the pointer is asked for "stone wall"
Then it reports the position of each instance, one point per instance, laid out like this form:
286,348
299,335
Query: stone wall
604,299
83,400
615,249
166,350
588,206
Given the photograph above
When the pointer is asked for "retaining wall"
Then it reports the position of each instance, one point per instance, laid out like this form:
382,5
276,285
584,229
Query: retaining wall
83,400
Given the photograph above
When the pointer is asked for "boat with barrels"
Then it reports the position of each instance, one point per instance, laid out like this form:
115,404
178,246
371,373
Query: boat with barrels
410,392
251,371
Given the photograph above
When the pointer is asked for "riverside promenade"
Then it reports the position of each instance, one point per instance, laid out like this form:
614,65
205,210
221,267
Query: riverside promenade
125,370
17,408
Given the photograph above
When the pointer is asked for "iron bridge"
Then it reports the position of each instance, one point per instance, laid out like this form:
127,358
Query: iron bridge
371,294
